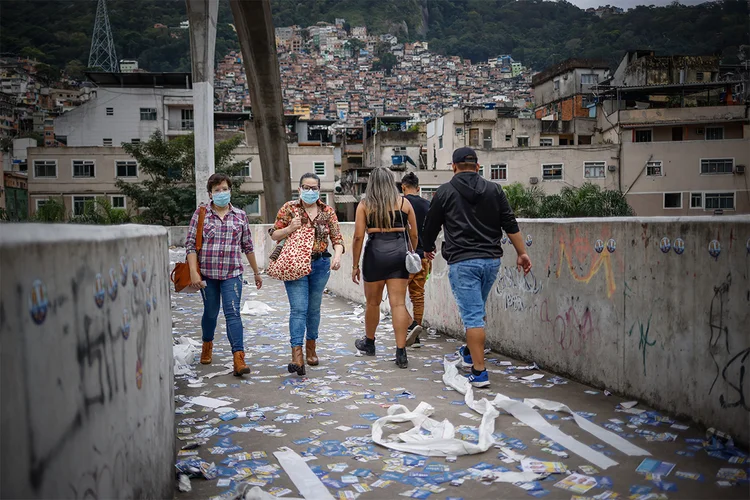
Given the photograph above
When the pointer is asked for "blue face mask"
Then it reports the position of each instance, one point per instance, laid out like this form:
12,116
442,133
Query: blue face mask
309,197
222,199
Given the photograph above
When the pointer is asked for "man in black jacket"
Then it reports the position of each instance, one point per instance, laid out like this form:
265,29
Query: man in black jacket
473,213
410,188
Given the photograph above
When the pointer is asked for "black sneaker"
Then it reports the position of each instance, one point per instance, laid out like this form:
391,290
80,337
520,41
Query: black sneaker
412,333
367,348
416,344
401,360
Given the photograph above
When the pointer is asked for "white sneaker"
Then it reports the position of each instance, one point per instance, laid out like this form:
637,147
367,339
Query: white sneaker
411,336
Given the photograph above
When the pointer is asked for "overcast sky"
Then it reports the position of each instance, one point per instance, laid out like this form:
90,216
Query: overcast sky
628,4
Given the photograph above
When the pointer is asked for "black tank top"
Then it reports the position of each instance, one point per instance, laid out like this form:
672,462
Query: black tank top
398,218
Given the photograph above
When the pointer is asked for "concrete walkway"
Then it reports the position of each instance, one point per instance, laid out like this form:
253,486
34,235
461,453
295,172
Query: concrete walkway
339,399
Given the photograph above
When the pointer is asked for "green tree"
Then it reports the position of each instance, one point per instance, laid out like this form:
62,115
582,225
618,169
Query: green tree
386,63
588,200
74,69
52,211
100,211
168,193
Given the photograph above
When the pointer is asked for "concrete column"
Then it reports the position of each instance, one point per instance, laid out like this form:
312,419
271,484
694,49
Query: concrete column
254,25
202,15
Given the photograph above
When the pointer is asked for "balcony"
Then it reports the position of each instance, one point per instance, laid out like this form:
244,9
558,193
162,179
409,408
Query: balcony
180,127
680,116
557,127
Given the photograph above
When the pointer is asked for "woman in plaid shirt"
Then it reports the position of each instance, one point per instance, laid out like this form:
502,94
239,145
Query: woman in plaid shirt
217,271
306,294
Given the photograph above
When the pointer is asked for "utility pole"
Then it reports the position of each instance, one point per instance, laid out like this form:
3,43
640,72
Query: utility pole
202,16
102,54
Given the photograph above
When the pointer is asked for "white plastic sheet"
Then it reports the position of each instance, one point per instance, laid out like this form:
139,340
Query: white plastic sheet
440,440
302,476
525,412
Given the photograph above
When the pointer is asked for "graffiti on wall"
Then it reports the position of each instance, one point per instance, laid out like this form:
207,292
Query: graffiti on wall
576,252
571,330
644,342
734,369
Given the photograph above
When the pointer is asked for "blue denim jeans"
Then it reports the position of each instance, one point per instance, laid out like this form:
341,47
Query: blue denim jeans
305,296
227,293
471,281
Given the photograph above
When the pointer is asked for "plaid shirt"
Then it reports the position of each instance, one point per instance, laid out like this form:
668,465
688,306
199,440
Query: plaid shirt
224,242
326,224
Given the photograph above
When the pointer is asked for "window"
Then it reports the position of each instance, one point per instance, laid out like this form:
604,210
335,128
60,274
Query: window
79,204
499,172
593,169
126,168
714,133
427,192
545,141
474,137
508,137
118,202
720,200
148,114
84,168
135,141
110,111
481,171
717,165
45,168
676,133
696,200
487,138
107,142
320,168
643,135
672,200
557,84
699,76
523,142
589,79
440,142
584,139
246,170
254,207
295,195
324,198
551,172
187,119
653,169
41,203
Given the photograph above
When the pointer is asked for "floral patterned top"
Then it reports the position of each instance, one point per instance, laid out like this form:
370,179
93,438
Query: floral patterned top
326,223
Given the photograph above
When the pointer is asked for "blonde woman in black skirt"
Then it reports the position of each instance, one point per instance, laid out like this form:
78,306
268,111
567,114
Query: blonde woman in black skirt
388,219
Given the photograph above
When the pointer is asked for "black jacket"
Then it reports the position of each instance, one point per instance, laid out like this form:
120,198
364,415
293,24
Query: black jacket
473,213
420,206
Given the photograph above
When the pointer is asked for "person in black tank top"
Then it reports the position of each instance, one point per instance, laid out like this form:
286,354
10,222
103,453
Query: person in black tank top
388,220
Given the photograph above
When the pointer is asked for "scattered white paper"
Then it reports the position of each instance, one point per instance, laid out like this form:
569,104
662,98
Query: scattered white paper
629,404
301,475
256,308
535,376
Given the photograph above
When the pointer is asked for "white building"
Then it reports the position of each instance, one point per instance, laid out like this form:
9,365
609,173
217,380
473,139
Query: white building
128,65
129,107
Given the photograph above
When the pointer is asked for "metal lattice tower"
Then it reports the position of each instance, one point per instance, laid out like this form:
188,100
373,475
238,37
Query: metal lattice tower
102,53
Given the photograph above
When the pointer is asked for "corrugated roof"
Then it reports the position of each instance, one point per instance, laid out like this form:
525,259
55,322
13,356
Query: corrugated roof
345,198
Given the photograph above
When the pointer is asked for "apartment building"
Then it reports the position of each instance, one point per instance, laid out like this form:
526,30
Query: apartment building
515,149
129,107
684,135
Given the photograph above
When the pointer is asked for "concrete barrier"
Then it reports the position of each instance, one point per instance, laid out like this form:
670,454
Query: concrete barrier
87,368
653,308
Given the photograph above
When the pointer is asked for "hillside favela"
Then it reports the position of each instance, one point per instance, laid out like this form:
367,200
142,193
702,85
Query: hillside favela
342,249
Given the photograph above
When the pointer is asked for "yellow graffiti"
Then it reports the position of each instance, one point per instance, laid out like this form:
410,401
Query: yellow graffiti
603,259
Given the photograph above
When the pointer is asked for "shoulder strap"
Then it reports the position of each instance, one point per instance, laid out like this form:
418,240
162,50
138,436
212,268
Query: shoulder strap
199,234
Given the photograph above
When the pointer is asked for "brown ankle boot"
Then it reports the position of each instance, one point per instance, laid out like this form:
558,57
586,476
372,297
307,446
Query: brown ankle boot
312,357
240,368
206,353
298,361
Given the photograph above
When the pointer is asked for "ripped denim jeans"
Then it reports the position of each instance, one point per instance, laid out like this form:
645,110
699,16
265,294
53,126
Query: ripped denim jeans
227,293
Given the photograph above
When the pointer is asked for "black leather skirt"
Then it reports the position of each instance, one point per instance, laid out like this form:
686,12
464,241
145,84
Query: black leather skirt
385,257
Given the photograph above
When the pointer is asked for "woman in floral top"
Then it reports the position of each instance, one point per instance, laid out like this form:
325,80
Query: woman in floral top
306,294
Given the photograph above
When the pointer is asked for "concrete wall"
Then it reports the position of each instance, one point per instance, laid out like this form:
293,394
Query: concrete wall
663,328
88,401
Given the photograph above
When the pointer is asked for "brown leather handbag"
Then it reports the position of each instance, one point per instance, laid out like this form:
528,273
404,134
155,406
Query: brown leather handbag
181,273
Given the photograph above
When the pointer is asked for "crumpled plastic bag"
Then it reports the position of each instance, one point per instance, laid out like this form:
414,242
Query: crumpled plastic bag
256,308
184,352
